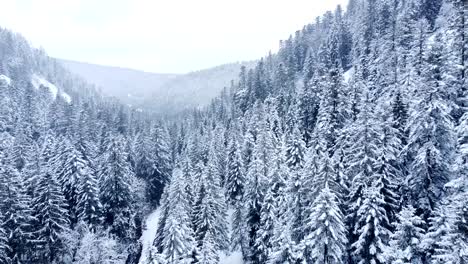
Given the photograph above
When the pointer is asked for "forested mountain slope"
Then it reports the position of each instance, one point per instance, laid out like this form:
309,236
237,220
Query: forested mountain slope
129,86
78,171
350,145
159,93
347,146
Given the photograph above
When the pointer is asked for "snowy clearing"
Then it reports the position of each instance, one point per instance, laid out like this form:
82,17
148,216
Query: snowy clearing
5,79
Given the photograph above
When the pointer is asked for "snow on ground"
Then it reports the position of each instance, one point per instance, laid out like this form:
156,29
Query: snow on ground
348,75
149,233
5,79
66,97
233,258
38,81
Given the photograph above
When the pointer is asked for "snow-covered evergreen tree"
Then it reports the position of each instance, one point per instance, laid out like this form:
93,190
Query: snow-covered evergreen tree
327,240
404,245
178,243
49,207
4,248
371,229
235,175
431,143
116,191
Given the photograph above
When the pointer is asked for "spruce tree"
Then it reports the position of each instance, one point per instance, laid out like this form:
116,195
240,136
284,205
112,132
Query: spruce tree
431,143
178,242
326,241
16,208
49,207
235,177
116,191
371,229
4,248
404,245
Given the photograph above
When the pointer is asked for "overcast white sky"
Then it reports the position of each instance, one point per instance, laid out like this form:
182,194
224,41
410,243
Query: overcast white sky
167,36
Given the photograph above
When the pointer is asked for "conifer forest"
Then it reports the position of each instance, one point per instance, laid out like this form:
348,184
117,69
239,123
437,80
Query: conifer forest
349,145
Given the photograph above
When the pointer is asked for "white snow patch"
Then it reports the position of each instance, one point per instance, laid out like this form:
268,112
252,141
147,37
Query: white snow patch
5,79
66,97
38,81
149,233
233,258
348,75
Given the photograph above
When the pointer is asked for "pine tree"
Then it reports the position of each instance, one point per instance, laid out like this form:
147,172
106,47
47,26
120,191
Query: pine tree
159,236
446,238
295,150
254,199
210,209
71,166
362,155
239,239
235,177
405,241
431,143
116,191
49,207
268,220
208,252
4,248
388,171
326,241
178,242
163,163
370,229
89,205
145,167
15,205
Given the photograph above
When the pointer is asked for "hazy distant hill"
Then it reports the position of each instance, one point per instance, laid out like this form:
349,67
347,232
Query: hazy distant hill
159,92
128,85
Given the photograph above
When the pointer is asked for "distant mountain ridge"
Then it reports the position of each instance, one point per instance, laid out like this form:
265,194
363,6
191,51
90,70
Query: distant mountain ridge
158,92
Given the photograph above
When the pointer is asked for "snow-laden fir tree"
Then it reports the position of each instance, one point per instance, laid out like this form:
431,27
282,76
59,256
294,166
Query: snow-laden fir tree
89,206
404,245
210,209
178,243
295,150
4,248
268,220
208,252
327,240
48,206
98,248
16,208
73,169
115,190
431,142
254,197
446,240
235,175
371,229
159,236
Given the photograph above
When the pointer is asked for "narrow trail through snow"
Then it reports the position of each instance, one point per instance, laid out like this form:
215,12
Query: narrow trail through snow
149,233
